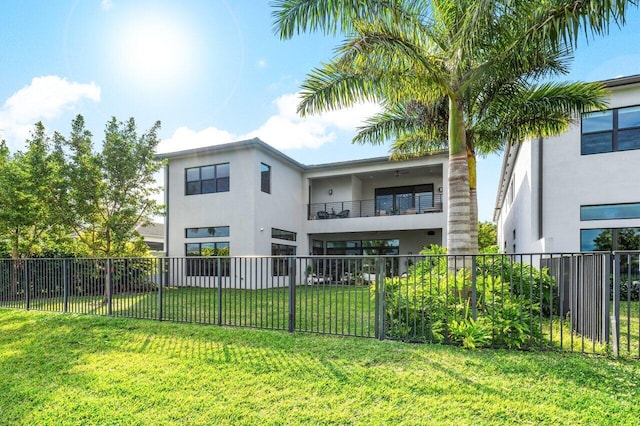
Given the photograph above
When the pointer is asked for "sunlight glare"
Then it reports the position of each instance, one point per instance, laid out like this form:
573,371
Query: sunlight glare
155,52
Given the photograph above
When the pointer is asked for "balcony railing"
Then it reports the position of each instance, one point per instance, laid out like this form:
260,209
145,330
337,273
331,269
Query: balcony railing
430,203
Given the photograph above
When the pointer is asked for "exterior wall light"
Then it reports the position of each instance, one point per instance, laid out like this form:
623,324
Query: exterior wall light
331,192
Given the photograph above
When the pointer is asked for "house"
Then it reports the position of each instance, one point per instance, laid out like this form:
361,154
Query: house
248,199
153,236
579,191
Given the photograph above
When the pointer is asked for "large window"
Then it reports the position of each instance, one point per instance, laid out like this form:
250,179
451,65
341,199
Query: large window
404,199
363,247
265,178
612,130
610,211
207,179
280,266
282,234
207,232
608,239
317,247
204,262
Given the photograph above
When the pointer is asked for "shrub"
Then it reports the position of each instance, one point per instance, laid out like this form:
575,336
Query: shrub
433,303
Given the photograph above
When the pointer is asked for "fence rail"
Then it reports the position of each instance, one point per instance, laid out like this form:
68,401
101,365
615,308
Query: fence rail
586,302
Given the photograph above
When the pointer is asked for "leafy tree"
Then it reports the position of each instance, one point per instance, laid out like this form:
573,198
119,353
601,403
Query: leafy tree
26,200
464,60
104,196
487,235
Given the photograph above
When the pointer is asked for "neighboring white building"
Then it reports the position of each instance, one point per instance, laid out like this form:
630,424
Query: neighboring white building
248,199
579,191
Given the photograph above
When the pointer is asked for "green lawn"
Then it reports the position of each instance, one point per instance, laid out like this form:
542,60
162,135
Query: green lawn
336,309
69,369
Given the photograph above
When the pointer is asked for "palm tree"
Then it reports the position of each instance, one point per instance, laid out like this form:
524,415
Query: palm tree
462,55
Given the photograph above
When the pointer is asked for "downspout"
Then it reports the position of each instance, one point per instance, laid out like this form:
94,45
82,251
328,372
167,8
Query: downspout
540,188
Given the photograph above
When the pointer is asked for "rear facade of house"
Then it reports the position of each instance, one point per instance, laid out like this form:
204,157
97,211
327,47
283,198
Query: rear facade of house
248,199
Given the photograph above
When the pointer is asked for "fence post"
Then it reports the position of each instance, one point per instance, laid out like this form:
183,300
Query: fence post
161,266
109,290
379,300
292,295
615,317
474,289
606,297
65,287
27,301
219,291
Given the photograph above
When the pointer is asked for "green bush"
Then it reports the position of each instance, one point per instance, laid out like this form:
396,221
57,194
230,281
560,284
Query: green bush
433,303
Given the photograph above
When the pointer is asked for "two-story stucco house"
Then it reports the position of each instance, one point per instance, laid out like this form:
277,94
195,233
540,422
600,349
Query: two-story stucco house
248,199
579,191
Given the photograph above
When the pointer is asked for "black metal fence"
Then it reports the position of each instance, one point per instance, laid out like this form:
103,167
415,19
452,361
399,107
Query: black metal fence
585,302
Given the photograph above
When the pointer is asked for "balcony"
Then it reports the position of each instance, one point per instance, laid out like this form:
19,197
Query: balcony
426,203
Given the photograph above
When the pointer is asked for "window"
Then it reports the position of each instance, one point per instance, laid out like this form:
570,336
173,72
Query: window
283,235
317,247
363,247
207,232
612,130
511,191
608,239
610,211
404,199
204,265
265,178
207,179
280,266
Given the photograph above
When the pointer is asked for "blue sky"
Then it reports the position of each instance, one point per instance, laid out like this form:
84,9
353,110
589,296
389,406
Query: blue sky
211,71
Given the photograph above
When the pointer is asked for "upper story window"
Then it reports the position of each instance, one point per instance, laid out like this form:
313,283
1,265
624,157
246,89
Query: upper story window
612,130
610,211
404,199
207,179
206,232
282,234
265,178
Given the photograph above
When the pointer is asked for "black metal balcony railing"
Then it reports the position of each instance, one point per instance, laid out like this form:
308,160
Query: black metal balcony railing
430,203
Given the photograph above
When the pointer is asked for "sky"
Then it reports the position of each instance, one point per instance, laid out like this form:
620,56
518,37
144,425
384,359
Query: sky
211,71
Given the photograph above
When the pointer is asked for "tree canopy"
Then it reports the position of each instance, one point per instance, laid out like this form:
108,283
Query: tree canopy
62,197
460,74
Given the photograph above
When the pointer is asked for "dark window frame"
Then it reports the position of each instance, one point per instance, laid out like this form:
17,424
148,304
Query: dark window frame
282,234
395,191
265,178
615,235
613,206
280,265
207,265
360,248
614,131
215,228
217,183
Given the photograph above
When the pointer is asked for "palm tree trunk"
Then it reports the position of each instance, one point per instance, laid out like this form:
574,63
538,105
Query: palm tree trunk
458,201
473,200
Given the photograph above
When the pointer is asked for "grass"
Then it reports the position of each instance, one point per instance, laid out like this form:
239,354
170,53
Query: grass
336,309
69,369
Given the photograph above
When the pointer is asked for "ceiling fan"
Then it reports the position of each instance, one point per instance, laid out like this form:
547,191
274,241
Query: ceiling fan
397,173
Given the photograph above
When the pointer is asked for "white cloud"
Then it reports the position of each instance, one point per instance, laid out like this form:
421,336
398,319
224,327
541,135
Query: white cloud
283,130
262,63
106,4
185,138
46,98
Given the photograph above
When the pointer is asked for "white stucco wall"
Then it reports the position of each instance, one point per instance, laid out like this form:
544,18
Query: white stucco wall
570,180
251,213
